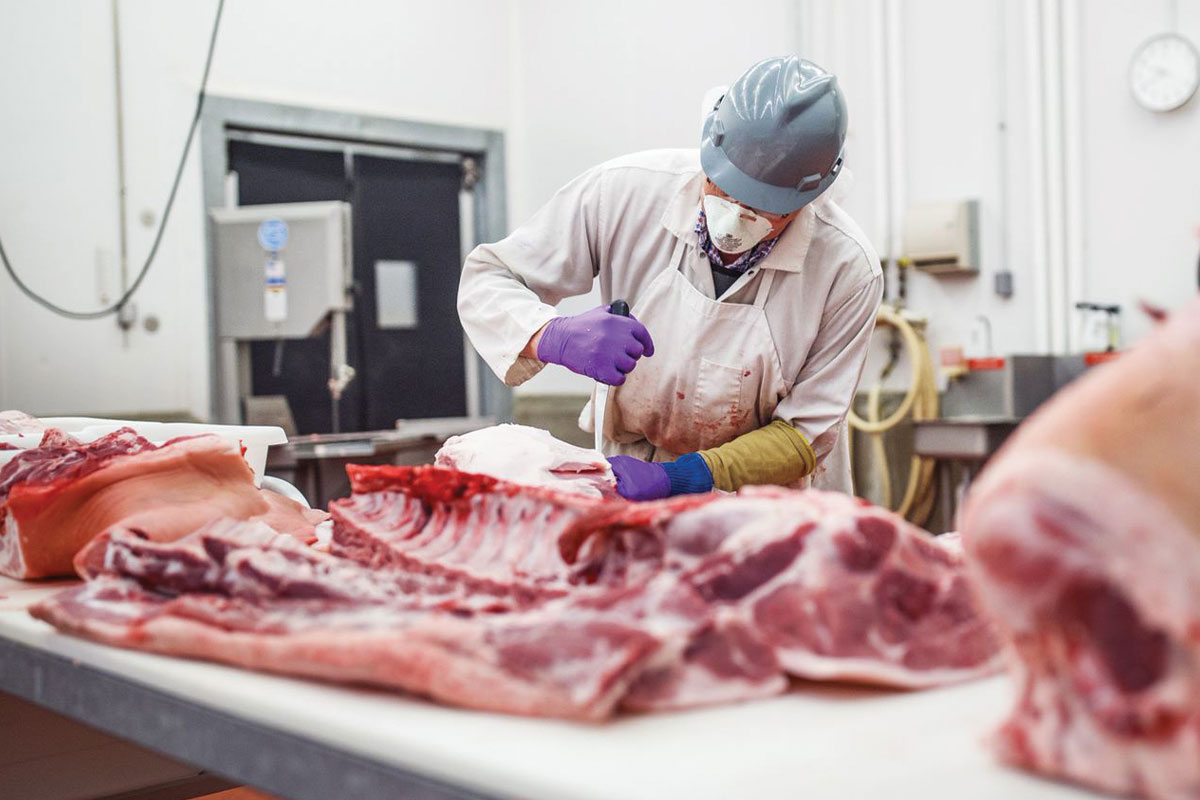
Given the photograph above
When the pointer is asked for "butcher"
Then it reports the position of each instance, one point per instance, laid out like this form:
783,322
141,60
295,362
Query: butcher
753,295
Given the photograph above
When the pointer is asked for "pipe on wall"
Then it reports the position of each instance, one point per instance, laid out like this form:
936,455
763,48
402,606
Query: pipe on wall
1056,199
1052,145
1072,150
879,99
1038,257
897,185
1003,139
122,185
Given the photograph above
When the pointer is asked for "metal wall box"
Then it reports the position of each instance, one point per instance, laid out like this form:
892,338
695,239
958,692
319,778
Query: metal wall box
943,238
316,258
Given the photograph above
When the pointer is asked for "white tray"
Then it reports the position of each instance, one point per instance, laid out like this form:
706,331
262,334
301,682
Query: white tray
255,438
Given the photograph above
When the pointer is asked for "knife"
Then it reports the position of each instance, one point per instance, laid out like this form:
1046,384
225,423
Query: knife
621,309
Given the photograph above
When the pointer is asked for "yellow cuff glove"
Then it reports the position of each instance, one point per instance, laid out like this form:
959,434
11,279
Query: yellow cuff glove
774,454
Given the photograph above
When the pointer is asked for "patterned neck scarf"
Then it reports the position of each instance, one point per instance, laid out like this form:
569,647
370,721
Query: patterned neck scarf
744,262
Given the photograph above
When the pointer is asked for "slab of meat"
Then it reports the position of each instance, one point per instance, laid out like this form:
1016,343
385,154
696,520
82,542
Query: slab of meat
528,600
502,537
831,587
476,528
240,594
249,559
1084,535
54,498
531,457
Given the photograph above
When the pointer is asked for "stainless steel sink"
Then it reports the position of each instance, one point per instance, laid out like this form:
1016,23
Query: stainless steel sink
1012,391
980,409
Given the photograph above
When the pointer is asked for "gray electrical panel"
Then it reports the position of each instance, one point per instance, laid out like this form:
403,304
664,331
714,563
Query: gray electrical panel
280,269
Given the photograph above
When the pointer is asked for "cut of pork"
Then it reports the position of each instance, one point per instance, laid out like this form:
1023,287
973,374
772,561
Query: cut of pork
531,457
573,666
724,661
248,559
1084,536
476,528
237,593
867,597
528,600
54,498
835,588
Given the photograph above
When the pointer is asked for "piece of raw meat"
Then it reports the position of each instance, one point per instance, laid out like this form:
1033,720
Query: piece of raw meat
531,457
834,588
285,515
240,594
507,540
1084,537
528,600
250,559
54,498
477,528
572,666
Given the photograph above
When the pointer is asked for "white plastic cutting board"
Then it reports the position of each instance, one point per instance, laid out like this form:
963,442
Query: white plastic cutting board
817,741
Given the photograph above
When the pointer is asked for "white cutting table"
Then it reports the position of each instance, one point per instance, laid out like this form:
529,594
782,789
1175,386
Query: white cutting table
302,739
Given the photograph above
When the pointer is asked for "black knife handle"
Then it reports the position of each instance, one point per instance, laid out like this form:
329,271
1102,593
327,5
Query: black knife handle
619,307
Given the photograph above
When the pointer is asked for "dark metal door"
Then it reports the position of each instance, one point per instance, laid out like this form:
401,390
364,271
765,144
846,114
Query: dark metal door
408,211
402,210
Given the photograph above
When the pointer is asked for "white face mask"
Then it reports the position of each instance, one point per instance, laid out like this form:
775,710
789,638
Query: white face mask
732,228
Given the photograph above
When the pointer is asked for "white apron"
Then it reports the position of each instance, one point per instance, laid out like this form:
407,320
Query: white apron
715,375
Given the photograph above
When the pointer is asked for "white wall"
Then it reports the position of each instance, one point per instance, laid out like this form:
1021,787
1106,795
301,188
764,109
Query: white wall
597,80
57,201
445,62
955,148
960,135
972,127
572,84
1142,175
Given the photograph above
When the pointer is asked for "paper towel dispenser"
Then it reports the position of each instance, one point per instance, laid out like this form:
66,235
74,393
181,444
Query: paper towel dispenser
943,238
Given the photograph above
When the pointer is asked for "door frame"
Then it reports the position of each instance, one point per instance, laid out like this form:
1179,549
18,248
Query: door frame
225,118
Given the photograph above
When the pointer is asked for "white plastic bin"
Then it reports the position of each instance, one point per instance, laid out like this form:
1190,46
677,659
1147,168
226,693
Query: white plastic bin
254,438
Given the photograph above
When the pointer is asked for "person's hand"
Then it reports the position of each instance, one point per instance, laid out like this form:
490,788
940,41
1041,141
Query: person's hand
605,347
640,480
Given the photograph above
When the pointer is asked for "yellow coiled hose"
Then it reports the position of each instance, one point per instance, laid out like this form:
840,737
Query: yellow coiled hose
921,400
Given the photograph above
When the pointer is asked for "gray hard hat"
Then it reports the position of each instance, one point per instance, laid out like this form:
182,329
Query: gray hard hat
774,141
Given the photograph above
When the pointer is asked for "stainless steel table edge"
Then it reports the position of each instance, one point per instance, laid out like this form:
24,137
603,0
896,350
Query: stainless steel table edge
248,752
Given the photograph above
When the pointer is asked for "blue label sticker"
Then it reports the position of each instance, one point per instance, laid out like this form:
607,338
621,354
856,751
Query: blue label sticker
273,235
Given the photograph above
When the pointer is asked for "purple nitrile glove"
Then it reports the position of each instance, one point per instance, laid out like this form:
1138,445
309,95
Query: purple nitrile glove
640,480
600,345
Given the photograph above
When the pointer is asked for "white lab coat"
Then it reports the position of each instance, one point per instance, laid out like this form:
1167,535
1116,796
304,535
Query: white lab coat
619,223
